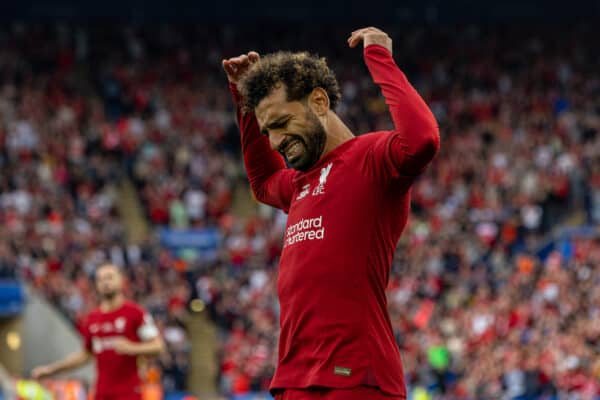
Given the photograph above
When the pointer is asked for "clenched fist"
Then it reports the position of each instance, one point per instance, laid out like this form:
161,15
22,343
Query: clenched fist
370,36
236,67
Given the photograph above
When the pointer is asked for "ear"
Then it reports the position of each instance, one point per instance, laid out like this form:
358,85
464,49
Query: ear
319,101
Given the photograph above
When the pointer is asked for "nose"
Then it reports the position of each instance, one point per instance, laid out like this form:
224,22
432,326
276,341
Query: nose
276,140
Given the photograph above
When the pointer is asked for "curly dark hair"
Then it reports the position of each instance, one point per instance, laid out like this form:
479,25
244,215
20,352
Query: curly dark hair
299,72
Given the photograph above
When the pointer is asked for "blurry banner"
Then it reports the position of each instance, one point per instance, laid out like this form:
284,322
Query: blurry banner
191,244
12,298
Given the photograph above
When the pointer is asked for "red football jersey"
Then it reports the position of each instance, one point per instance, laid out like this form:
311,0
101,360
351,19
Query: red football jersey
117,373
345,216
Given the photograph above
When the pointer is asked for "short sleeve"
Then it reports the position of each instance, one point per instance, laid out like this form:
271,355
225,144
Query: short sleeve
147,329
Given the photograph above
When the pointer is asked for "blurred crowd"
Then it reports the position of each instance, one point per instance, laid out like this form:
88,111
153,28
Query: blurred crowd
476,311
60,172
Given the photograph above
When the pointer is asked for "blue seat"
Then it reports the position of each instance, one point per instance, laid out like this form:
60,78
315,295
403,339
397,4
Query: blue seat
12,297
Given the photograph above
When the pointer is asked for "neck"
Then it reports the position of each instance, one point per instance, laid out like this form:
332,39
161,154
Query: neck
337,132
107,305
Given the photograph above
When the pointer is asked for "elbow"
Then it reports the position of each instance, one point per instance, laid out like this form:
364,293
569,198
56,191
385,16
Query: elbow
432,143
429,146
258,192
411,157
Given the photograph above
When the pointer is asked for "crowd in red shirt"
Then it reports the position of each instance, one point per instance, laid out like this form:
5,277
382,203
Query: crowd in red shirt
476,312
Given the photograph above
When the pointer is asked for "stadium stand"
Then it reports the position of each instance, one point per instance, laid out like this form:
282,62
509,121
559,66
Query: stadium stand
480,278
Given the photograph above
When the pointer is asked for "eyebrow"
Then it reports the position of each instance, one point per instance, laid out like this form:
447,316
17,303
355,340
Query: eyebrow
278,122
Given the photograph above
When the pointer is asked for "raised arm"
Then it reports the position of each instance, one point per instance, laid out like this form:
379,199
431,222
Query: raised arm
415,139
270,180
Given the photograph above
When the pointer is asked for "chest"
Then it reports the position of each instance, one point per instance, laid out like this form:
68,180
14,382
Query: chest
332,200
104,329
111,325
330,184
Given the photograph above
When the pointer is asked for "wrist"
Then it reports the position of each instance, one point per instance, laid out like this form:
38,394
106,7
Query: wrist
372,45
235,92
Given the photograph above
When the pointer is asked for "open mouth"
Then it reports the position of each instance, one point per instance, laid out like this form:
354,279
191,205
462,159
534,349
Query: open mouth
292,149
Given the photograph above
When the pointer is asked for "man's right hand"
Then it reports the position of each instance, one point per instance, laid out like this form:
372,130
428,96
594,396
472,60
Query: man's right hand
42,372
236,67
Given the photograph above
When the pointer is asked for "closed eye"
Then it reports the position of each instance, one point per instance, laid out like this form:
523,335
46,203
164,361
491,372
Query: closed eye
279,123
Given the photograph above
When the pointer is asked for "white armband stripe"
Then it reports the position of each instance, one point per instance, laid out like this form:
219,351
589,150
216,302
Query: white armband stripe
148,330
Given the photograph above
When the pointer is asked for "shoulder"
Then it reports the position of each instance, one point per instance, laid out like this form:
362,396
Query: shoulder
371,138
291,173
375,159
368,145
91,316
84,323
363,143
133,309
358,144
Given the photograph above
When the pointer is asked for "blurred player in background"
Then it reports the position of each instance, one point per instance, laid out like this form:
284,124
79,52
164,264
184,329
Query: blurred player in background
116,334
347,199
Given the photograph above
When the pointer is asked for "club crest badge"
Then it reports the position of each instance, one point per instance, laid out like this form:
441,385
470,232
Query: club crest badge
320,189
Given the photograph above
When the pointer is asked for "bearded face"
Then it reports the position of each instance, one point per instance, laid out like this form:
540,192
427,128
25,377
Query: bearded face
109,282
303,149
294,130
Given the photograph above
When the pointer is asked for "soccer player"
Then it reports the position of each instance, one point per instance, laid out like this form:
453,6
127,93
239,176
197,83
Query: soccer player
116,334
347,199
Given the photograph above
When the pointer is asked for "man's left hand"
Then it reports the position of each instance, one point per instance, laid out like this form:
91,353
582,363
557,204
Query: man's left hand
370,36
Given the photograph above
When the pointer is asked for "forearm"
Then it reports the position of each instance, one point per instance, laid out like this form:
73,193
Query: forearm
259,159
416,132
261,162
149,348
72,361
